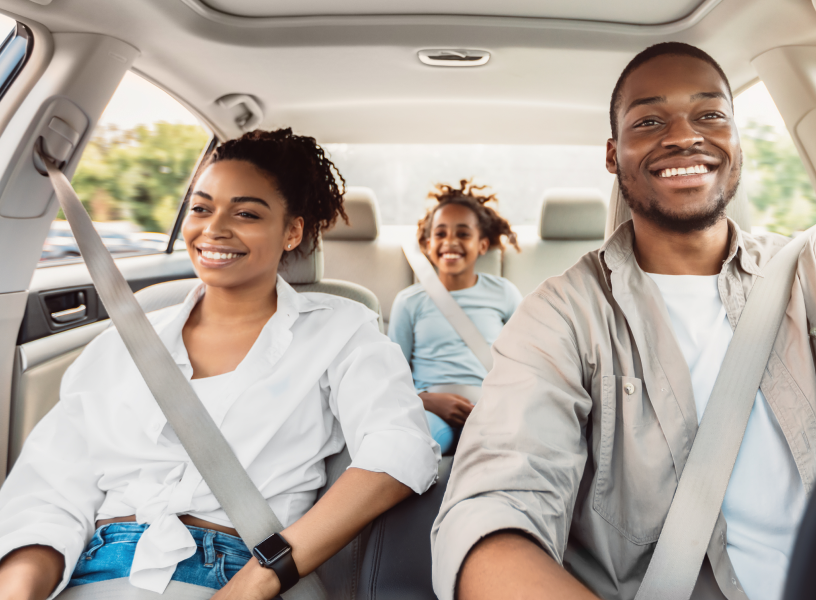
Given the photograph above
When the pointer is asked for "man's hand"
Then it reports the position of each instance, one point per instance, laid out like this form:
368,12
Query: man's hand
30,573
252,582
509,565
453,409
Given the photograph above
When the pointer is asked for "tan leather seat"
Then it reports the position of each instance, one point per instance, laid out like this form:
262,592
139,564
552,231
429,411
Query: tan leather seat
571,224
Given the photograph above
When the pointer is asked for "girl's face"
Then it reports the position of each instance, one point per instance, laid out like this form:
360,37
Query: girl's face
237,228
455,241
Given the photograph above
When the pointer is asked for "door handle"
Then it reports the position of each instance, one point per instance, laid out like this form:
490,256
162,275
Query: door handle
69,316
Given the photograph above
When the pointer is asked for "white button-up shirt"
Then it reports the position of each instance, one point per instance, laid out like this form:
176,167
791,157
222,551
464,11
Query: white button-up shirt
319,375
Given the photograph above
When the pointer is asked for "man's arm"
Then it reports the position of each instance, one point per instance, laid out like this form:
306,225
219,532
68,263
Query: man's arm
523,450
509,565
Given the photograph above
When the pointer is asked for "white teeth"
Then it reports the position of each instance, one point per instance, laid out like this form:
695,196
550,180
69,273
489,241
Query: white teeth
672,172
218,255
450,255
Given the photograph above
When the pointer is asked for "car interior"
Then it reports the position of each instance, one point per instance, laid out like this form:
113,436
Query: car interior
517,73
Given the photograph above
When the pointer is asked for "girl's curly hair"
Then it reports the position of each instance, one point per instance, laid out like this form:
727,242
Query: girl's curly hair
491,225
305,177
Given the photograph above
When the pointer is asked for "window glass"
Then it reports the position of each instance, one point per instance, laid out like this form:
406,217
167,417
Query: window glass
7,25
401,175
781,195
133,173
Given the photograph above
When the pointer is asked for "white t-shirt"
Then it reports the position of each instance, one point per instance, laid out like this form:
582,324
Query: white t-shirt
765,498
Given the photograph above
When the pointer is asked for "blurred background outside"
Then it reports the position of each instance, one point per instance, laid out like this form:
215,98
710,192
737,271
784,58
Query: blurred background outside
134,171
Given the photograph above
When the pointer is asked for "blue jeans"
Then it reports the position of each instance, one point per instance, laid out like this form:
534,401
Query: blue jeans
109,555
442,433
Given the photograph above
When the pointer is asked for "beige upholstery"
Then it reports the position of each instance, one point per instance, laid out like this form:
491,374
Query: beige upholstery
364,217
738,209
572,214
571,223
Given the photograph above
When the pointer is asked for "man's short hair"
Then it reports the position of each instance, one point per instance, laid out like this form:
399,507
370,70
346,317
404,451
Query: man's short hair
663,49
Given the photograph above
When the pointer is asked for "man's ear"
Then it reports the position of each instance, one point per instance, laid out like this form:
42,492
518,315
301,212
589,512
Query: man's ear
612,156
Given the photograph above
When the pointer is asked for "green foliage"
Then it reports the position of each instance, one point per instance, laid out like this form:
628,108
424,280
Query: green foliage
138,174
777,184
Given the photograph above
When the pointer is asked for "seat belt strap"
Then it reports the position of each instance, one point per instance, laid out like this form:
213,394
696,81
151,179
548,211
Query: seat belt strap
447,304
686,533
210,452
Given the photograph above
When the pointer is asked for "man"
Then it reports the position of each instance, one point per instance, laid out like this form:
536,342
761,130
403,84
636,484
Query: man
568,465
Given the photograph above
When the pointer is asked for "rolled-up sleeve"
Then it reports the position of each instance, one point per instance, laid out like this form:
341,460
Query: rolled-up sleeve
522,453
383,421
50,498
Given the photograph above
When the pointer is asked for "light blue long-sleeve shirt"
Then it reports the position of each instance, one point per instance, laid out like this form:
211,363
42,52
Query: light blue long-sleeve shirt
434,350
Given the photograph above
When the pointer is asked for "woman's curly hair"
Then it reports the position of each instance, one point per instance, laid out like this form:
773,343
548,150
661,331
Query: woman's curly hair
310,184
491,225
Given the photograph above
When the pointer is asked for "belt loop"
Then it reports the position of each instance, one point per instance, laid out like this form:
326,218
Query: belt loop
209,548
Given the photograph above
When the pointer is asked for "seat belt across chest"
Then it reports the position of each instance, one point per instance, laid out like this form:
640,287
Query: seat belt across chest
681,548
447,304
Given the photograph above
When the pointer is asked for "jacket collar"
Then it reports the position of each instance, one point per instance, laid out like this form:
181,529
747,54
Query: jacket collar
620,246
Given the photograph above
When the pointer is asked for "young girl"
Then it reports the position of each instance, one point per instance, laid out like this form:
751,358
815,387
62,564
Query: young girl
103,488
453,234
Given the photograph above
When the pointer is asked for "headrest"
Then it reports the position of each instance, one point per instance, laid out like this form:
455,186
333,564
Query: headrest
619,212
299,269
364,217
573,214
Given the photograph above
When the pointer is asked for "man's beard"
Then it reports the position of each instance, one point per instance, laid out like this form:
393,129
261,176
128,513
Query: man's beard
649,208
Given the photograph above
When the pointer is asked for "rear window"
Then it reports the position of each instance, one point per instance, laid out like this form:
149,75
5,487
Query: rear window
401,175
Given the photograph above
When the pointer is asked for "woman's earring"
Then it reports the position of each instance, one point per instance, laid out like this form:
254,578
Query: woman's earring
289,246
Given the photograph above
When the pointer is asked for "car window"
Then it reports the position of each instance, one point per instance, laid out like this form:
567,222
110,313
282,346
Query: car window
15,45
133,173
401,175
779,189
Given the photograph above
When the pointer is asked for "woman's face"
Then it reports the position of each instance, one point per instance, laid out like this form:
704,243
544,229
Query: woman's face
455,241
237,228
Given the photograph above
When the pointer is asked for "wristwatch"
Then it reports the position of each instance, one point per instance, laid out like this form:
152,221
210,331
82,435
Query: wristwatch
275,553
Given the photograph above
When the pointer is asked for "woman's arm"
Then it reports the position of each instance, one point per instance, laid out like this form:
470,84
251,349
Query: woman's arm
30,573
356,499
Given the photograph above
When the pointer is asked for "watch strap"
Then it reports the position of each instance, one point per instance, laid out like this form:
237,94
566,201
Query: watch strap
286,570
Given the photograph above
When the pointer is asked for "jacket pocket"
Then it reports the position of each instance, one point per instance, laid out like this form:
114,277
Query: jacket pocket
635,480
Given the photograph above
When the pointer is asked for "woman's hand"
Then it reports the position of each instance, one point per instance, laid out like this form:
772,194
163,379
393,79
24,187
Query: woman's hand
453,409
252,582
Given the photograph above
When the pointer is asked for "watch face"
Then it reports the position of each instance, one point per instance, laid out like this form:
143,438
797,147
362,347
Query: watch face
272,548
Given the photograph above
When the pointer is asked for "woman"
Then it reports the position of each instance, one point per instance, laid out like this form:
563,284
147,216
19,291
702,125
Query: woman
454,233
284,375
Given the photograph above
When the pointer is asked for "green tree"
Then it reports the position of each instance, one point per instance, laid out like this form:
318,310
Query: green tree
138,174
777,184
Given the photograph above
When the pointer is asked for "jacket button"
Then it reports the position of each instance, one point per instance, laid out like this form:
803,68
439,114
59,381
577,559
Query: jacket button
629,388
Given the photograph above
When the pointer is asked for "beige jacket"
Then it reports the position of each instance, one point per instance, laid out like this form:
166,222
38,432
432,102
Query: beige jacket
555,448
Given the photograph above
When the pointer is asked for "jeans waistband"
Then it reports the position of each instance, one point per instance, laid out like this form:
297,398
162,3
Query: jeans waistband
131,532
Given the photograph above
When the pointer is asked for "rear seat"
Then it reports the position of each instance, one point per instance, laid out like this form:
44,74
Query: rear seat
571,223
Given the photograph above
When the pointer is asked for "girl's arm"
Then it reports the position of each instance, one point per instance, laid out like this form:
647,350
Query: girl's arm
356,499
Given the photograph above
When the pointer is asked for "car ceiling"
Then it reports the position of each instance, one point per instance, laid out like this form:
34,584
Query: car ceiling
349,72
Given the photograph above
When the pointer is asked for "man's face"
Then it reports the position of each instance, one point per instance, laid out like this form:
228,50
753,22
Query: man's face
677,155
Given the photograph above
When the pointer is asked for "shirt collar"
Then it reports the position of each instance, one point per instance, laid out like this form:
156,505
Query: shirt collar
290,305
620,245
